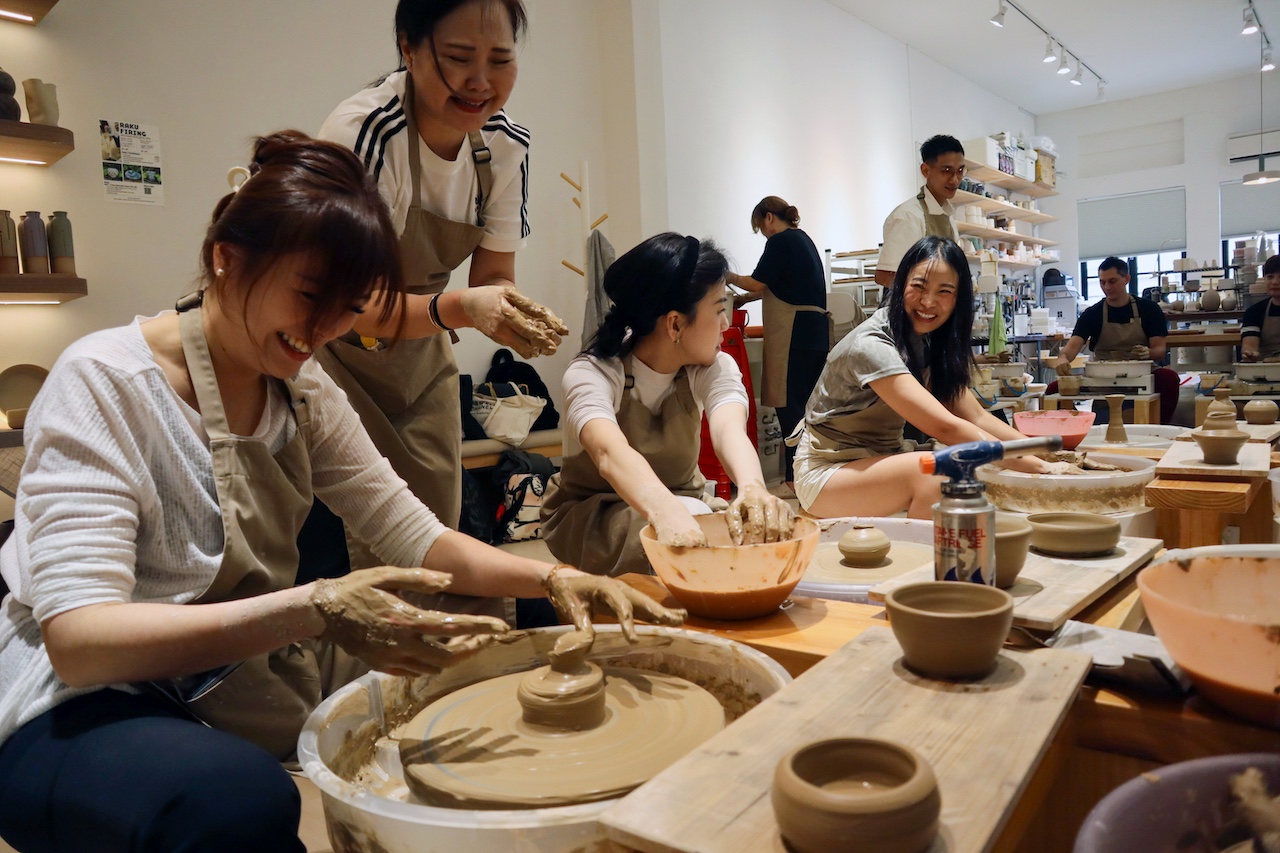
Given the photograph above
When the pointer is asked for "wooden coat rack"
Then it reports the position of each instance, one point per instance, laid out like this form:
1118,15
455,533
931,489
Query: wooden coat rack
583,201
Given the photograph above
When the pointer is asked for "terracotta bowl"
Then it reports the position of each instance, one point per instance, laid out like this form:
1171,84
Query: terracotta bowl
950,629
1013,538
1073,534
1214,609
1173,807
1073,426
856,794
727,581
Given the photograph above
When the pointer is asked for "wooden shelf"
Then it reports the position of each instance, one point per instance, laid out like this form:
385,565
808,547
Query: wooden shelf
34,9
1201,316
1013,265
987,175
39,144
966,228
1002,208
53,289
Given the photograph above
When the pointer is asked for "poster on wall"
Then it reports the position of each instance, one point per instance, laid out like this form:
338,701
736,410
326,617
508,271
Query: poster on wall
131,162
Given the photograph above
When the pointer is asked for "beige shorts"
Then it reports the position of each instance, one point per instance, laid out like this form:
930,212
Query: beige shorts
814,468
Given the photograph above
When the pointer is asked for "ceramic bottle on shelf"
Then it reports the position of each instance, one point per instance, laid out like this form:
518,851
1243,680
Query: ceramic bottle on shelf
9,107
1210,299
62,256
8,244
34,244
1229,301
42,102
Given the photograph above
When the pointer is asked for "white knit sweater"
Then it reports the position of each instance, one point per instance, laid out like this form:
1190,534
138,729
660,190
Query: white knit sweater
117,502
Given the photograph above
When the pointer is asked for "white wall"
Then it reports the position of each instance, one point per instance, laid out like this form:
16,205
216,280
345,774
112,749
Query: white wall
1209,115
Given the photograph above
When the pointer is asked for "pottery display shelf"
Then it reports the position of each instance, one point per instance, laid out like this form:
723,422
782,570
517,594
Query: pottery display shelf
1110,735
1203,401
1146,407
34,144
1196,502
41,289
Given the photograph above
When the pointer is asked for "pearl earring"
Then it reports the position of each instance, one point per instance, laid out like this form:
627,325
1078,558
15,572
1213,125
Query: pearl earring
218,272
677,340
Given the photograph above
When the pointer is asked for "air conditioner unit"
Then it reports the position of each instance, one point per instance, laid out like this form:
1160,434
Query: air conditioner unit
1249,146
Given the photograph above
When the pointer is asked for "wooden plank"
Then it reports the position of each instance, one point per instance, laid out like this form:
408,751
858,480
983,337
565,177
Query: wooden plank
984,740
1187,339
1051,590
1202,495
1185,461
35,9
40,144
1258,433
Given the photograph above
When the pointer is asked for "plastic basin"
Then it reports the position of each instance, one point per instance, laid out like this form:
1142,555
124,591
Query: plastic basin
1073,426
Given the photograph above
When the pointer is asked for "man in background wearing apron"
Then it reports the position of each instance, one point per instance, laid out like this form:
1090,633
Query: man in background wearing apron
929,212
1123,327
1260,327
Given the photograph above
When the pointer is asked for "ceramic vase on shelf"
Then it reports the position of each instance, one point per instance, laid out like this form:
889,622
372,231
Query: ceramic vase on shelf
42,102
1229,301
1210,299
8,244
62,256
34,244
9,107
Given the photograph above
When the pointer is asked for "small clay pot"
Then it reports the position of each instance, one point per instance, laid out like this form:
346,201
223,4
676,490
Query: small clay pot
864,545
856,794
1261,411
1013,537
1221,413
17,418
950,629
1068,386
1220,446
1073,534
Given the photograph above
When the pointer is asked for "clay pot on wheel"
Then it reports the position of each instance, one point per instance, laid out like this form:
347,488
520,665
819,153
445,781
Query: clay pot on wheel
864,545
1115,426
1220,446
1261,411
1222,412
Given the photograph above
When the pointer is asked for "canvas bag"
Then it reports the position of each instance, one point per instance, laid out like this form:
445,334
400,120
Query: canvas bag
523,478
506,410
505,368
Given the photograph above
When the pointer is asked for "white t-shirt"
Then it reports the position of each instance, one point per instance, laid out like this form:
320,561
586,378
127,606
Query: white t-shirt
593,388
117,501
372,124
905,227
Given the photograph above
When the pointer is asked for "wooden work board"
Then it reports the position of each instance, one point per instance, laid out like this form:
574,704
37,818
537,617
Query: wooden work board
1051,590
983,739
1185,461
1258,433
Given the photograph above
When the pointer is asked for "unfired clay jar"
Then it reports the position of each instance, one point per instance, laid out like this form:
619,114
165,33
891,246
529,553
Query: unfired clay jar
1068,386
873,796
864,545
8,244
42,102
1229,301
1210,300
1221,413
1076,534
1261,411
1220,446
1115,426
1193,305
950,629
1176,306
1013,537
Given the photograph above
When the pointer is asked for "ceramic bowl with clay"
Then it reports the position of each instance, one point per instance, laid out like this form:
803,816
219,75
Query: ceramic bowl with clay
1073,534
950,629
1013,538
1073,426
861,794
727,581
1214,608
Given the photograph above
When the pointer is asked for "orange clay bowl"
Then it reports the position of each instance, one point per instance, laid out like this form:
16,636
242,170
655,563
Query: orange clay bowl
1073,426
1215,609
727,581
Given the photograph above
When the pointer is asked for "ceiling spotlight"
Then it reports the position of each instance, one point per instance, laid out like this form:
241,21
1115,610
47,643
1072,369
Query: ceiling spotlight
1267,64
1063,67
1049,55
1076,81
1250,21
998,17
1102,90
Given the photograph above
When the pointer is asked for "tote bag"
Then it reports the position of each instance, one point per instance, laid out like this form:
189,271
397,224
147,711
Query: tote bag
506,410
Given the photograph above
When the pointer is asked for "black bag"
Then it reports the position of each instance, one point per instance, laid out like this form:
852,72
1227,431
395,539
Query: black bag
481,504
471,429
505,368
522,479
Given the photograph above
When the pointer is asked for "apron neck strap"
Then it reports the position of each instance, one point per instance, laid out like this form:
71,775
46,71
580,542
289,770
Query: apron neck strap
203,381
481,156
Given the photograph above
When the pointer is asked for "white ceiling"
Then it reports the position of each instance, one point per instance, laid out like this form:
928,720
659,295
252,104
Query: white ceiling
1138,46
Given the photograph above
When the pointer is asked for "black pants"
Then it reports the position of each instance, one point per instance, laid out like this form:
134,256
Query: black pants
804,366
112,771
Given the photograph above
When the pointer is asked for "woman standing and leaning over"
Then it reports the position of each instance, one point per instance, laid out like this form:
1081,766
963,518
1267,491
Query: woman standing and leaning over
169,466
908,363
634,401
453,169
789,278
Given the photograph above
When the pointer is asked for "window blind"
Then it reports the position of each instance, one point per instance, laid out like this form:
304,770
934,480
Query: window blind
1246,210
1133,224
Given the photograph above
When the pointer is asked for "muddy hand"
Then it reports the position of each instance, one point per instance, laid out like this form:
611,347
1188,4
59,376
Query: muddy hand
1090,464
575,595
364,615
756,516
1060,468
1141,352
1063,368
508,317
675,527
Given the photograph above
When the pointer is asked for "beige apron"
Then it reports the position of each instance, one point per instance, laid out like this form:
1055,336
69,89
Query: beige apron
263,500
407,394
1117,340
936,224
585,522
779,324
1269,338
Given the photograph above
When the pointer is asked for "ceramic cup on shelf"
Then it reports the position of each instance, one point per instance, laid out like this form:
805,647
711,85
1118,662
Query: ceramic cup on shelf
42,102
8,244
34,243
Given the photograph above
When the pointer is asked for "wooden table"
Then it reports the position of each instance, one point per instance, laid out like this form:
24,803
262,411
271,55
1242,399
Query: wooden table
1146,407
1109,737
1195,508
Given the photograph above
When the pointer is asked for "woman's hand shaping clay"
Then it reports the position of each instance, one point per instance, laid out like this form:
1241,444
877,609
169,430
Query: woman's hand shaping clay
365,617
575,595
675,526
756,516
512,319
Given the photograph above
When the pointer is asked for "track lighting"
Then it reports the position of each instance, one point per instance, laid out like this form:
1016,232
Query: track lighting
1063,66
1250,21
1076,81
1049,55
1267,64
1102,90
998,18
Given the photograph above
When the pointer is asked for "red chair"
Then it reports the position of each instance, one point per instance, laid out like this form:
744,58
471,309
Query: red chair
734,343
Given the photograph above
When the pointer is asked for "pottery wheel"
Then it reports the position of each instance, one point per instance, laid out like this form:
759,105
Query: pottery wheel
472,749
829,565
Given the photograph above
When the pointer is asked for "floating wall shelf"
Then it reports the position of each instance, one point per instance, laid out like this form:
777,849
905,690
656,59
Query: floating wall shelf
33,9
52,289
37,144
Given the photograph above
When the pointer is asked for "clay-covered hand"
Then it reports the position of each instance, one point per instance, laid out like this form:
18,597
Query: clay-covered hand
1141,352
1060,468
576,595
512,319
756,516
1248,355
675,527
1078,459
1063,368
364,615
